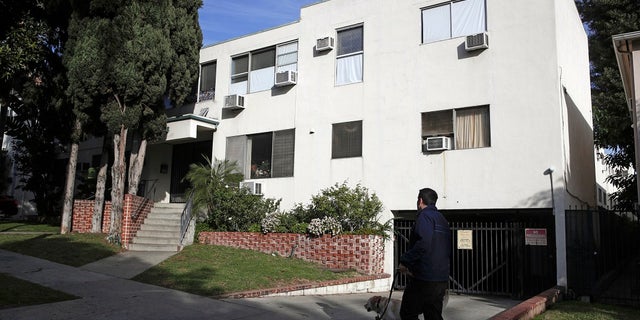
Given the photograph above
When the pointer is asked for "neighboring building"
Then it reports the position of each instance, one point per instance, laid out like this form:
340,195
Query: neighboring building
395,96
627,50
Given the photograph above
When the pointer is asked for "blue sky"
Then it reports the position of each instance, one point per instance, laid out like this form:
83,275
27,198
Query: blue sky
225,19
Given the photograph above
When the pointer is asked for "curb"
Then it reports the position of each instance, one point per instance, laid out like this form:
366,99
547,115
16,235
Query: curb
304,286
531,307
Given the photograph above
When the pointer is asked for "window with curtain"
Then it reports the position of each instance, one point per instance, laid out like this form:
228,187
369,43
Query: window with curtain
263,155
287,57
207,81
350,52
453,19
469,127
346,140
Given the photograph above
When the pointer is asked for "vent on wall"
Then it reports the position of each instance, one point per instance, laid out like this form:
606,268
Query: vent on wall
324,44
234,101
286,78
476,42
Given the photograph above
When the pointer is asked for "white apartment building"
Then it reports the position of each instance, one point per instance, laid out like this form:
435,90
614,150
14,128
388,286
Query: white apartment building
476,99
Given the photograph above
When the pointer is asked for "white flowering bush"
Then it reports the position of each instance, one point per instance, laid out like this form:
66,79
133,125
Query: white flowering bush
270,223
332,226
318,227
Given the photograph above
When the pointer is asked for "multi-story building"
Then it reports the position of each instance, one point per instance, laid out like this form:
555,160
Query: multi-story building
485,101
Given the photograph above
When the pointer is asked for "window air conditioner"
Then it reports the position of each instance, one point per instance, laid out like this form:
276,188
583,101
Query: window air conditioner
234,101
325,43
476,42
286,78
436,144
253,187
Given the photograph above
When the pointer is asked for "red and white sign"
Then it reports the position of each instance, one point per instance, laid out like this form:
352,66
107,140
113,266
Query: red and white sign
535,237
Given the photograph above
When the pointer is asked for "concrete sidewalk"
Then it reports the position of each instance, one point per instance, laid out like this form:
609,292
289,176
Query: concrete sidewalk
113,296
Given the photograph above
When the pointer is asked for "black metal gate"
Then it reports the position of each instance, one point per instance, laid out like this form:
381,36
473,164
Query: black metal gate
491,258
183,156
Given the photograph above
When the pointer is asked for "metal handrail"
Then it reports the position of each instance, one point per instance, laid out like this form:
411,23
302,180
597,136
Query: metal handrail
185,218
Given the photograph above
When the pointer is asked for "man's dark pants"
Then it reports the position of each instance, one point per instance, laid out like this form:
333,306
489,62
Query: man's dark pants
423,297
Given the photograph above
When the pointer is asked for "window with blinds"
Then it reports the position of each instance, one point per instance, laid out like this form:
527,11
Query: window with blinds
263,155
346,141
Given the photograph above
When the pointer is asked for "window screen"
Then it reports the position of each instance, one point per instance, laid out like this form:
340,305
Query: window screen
283,153
346,140
207,81
349,63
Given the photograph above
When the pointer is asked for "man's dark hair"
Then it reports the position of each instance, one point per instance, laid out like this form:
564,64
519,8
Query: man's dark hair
428,196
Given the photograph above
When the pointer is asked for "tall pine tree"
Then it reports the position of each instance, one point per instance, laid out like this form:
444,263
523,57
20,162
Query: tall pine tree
612,122
130,57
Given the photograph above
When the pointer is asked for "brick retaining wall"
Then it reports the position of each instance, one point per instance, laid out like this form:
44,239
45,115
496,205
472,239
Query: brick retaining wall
363,253
135,209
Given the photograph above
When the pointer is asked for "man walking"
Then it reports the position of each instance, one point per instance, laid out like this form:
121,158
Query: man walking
426,261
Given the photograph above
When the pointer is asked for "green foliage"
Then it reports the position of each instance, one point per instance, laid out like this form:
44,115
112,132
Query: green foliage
355,209
214,190
612,123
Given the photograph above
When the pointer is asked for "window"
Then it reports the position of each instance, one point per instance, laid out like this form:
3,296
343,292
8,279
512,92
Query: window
261,76
256,70
287,57
263,155
207,81
349,56
469,127
239,75
453,19
346,140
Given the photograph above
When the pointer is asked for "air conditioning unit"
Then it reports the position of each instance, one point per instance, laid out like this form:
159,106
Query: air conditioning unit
324,44
286,78
476,42
436,144
253,187
234,101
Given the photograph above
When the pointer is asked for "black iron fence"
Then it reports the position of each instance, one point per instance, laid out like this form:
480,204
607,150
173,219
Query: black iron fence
491,257
603,255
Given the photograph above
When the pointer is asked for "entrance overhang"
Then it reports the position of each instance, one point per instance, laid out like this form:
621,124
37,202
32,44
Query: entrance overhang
188,126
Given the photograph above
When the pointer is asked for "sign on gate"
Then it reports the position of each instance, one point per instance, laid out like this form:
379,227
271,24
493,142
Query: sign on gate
465,239
535,237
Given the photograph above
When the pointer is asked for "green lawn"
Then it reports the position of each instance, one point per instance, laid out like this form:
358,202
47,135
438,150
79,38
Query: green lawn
74,249
18,293
210,270
15,226
575,310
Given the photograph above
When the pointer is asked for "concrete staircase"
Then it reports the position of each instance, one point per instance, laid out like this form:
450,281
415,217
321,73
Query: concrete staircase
160,231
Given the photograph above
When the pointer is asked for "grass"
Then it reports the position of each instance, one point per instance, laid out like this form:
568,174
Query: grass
14,226
73,249
19,293
575,310
211,271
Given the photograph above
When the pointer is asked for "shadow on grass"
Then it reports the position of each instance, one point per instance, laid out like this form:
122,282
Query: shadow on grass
69,249
28,226
196,280
18,293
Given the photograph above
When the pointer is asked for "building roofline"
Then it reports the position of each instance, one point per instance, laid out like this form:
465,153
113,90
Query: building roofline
621,47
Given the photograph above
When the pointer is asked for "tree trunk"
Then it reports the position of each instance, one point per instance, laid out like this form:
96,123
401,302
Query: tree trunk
136,163
101,183
67,209
118,172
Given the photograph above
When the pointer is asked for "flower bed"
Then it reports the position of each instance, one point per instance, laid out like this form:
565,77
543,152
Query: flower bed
363,253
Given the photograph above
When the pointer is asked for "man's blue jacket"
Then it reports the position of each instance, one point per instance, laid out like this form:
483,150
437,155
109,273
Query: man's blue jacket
429,250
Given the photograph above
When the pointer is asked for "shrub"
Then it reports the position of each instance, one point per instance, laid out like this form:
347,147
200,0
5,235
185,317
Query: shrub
215,190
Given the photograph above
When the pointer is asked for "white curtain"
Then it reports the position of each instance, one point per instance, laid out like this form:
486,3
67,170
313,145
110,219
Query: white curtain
349,69
436,24
472,128
261,79
467,18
